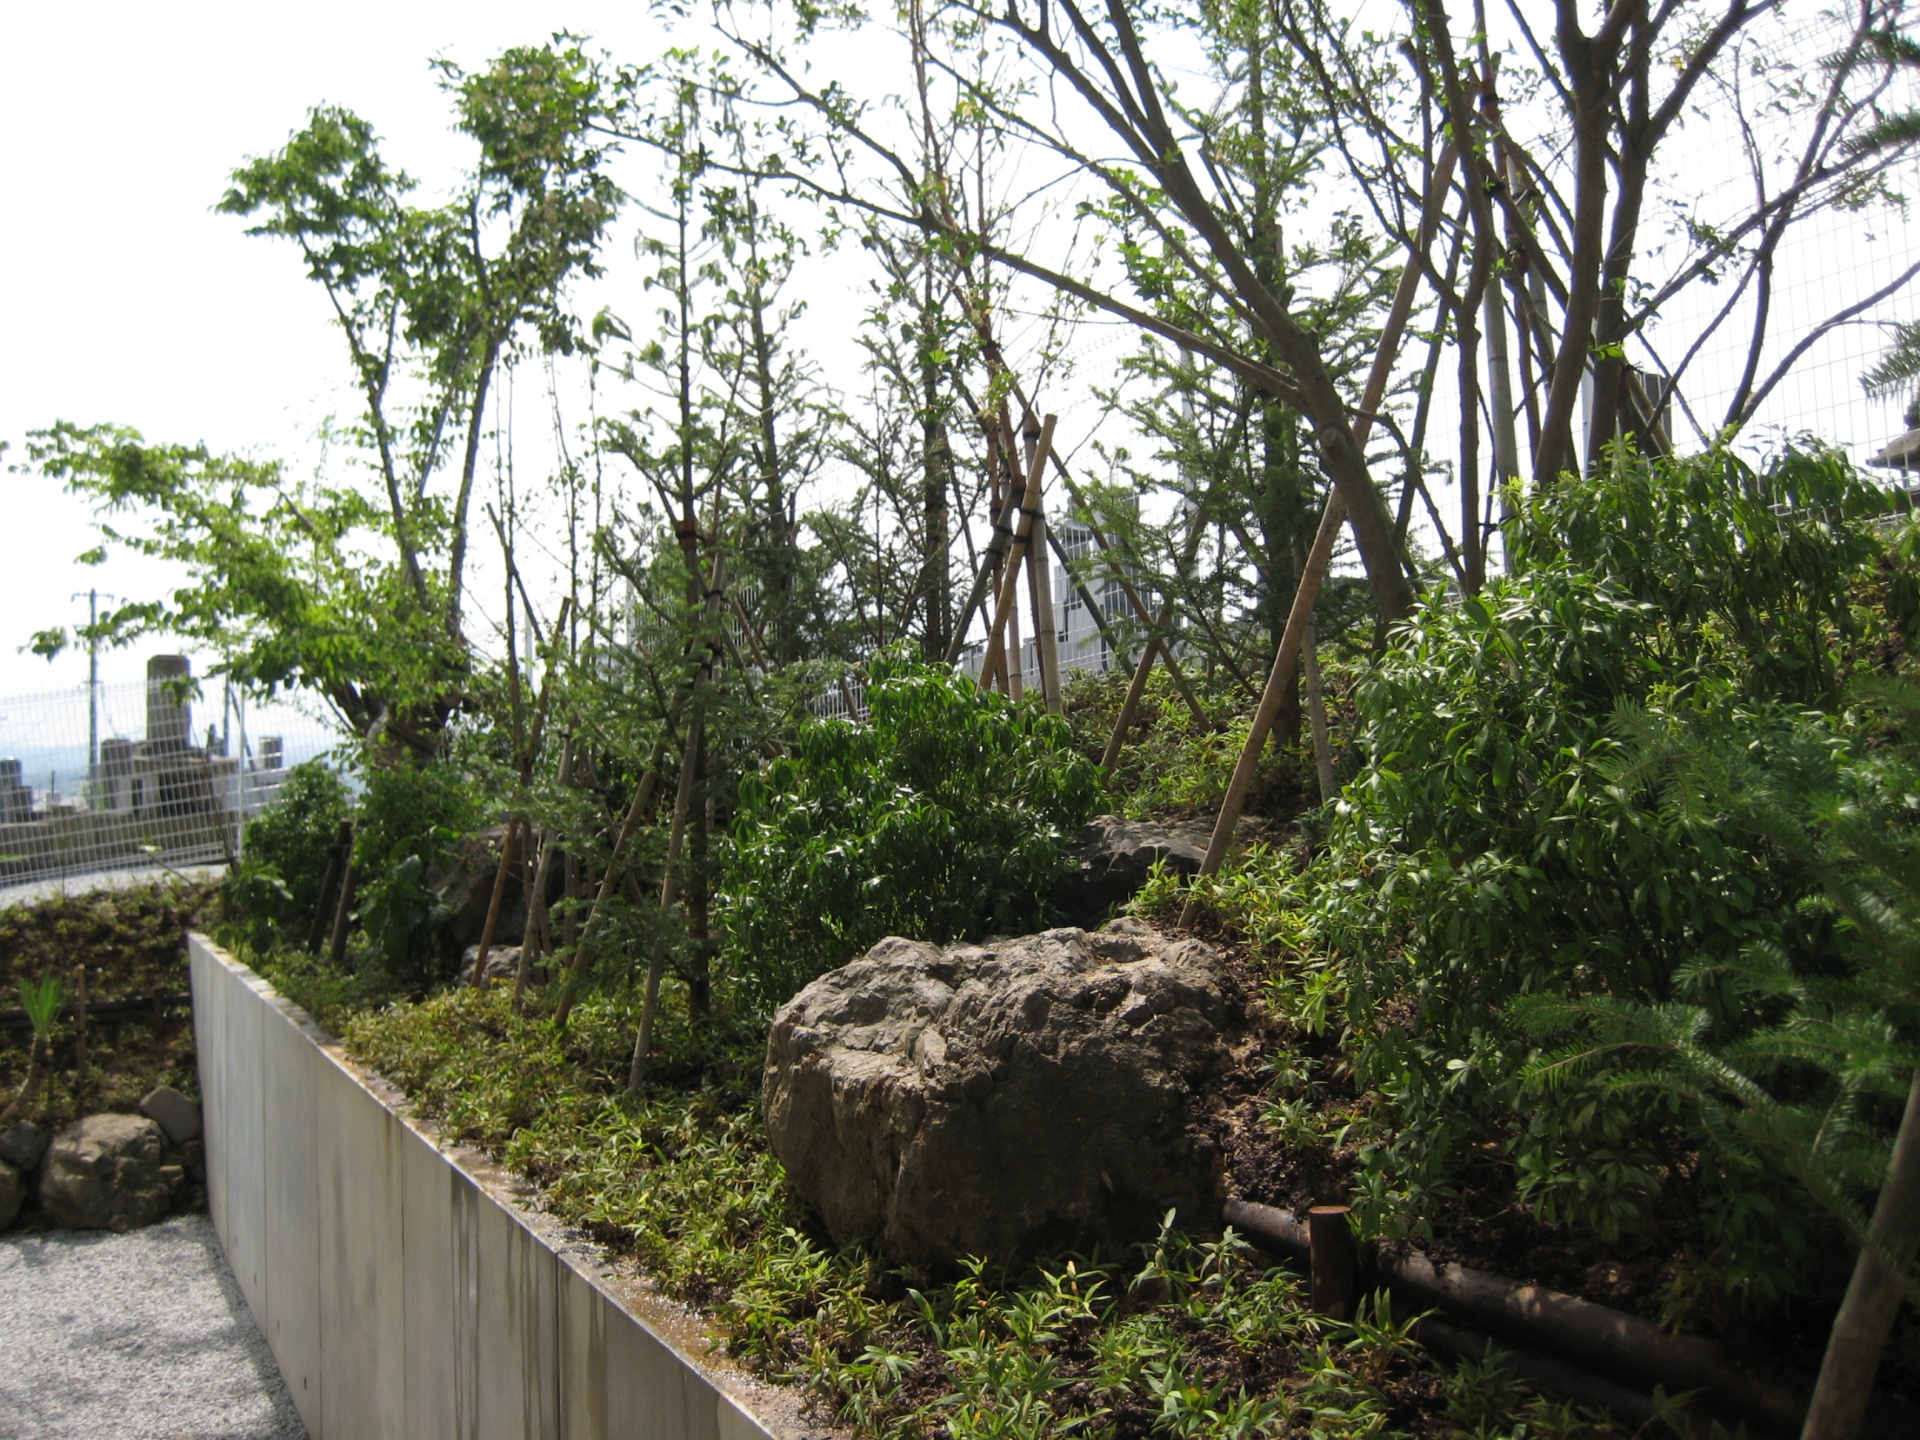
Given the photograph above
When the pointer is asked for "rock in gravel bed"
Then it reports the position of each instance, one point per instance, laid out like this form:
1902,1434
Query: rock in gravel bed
109,1172
13,1193
22,1145
173,1113
1005,1099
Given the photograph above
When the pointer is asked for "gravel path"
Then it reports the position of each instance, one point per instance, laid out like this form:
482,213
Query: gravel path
133,1336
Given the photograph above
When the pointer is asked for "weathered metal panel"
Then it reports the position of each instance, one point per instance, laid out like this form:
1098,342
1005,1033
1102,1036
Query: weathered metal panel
401,1288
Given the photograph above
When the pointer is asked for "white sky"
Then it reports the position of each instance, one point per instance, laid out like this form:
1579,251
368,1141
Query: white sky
123,297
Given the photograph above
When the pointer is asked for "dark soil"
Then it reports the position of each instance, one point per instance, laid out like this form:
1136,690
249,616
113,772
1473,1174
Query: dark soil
1486,1225
133,945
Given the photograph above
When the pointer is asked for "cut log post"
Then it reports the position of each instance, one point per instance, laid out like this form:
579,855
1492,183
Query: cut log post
1334,1261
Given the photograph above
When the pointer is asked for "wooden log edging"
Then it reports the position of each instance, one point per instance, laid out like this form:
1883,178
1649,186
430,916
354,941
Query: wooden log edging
147,1007
1545,1332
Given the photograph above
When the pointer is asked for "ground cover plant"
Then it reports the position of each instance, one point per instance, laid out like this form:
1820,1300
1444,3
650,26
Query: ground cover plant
133,945
1184,1338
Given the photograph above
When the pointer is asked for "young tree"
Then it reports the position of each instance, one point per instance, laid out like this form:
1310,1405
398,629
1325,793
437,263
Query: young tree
320,586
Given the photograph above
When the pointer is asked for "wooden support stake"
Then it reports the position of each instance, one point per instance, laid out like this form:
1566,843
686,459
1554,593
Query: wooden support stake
1332,515
1040,572
337,853
1136,688
690,751
676,842
636,812
1317,715
1010,581
1882,1277
337,948
983,579
1334,1262
80,1033
507,846
530,942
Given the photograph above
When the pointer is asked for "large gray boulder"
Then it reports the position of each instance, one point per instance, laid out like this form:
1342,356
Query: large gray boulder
13,1193
1004,1100
108,1172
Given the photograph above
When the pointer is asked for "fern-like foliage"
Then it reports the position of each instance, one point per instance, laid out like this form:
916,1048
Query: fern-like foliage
1805,1068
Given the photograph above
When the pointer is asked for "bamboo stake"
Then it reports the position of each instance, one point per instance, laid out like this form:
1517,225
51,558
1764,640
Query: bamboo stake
1317,715
690,750
1040,572
1321,554
1879,1284
1010,581
507,846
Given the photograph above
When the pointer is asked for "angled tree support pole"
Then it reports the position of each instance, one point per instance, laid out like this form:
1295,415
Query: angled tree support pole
1010,581
1040,572
1321,554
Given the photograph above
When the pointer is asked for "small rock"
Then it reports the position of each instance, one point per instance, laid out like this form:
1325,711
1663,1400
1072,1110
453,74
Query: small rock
22,1145
503,963
174,1113
13,1193
193,1156
105,1173
1112,858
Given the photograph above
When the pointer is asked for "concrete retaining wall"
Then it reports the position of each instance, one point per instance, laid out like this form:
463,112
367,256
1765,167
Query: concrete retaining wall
403,1291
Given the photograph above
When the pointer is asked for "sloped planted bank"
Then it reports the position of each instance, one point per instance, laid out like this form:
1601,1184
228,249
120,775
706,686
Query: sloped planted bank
401,1287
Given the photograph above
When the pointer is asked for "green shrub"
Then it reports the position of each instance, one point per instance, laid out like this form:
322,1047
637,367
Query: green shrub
1490,850
272,894
410,819
941,817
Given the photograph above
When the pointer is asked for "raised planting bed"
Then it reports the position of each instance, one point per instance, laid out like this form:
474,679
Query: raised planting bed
405,1285
1180,1338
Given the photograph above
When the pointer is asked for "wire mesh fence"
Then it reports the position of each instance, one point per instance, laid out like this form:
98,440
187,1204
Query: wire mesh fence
152,775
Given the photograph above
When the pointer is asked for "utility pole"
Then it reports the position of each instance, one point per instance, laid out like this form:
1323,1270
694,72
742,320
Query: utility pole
93,695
